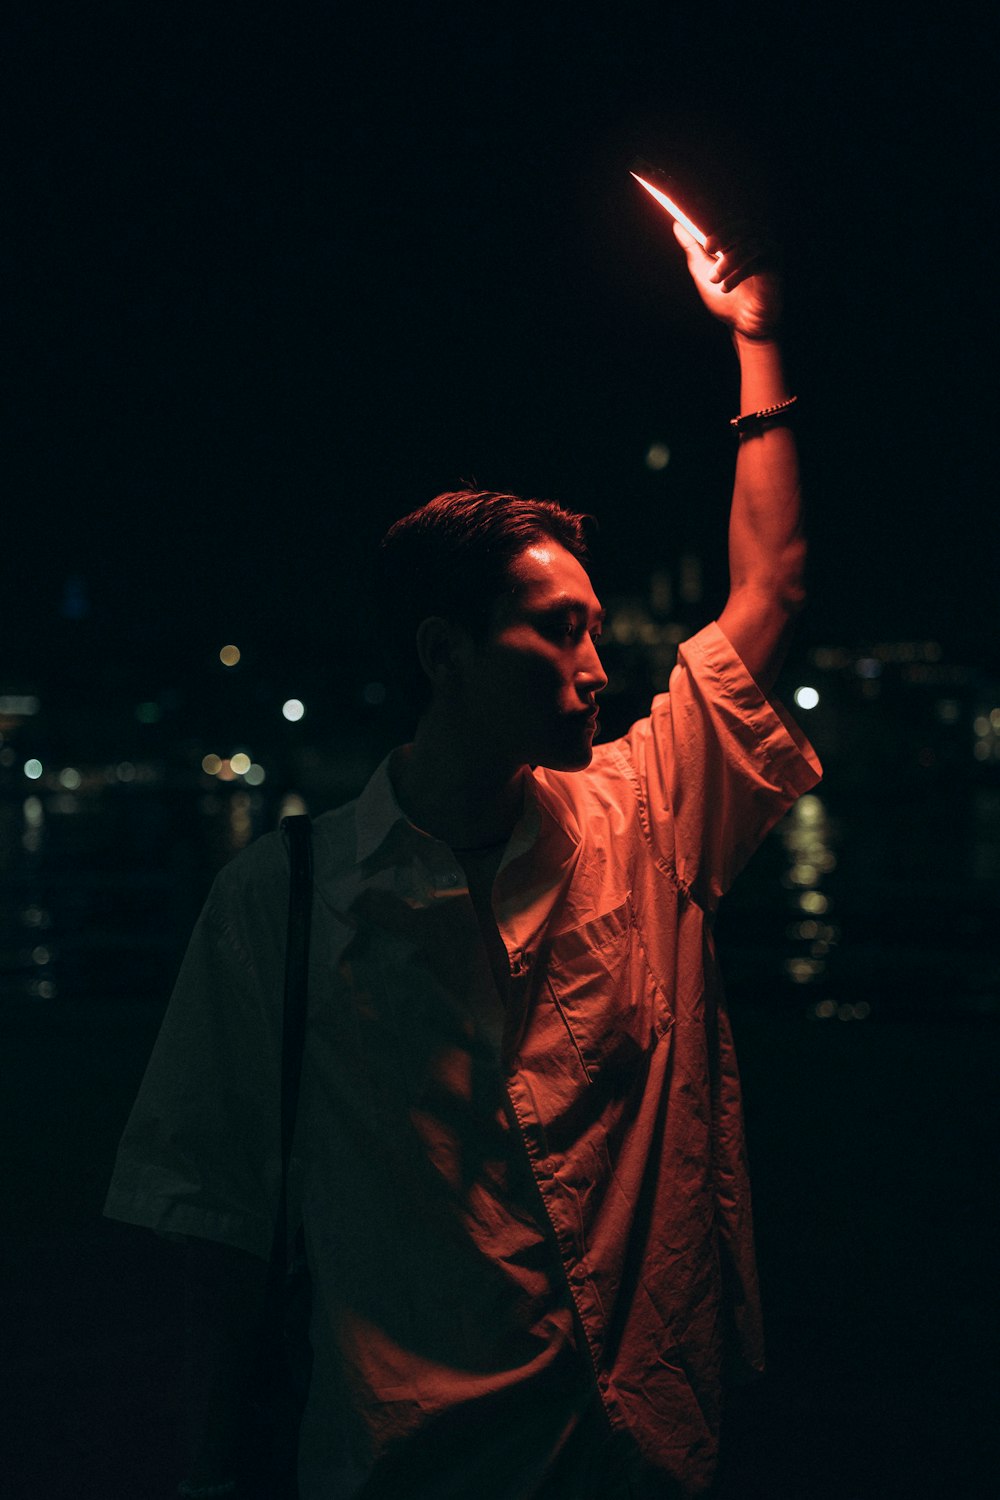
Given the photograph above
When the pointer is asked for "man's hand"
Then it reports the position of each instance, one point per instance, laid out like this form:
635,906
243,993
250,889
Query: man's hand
742,287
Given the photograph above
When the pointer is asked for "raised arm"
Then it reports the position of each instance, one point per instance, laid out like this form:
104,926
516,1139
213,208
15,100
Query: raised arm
766,544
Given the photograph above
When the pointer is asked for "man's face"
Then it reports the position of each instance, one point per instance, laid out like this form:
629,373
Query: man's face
532,684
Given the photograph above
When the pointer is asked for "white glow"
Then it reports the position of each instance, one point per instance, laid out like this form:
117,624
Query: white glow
293,709
240,763
806,697
671,207
70,778
33,769
255,775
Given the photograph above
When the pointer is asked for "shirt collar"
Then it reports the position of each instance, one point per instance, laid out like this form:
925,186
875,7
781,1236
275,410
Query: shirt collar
378,814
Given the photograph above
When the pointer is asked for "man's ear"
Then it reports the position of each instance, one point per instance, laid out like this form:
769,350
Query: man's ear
443,648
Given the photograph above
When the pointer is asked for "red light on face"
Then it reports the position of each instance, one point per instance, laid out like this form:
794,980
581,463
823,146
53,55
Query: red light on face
671,207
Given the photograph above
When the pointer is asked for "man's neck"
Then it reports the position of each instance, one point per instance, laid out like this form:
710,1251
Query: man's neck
453,792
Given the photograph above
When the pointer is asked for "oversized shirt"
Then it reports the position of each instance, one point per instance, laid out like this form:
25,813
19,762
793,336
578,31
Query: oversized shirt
527,1219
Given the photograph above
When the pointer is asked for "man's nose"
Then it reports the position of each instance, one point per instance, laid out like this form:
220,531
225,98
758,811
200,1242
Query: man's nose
590,671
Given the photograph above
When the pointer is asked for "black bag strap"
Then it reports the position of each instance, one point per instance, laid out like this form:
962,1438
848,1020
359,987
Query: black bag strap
298,835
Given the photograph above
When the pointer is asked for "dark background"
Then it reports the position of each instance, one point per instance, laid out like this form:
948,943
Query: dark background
273,279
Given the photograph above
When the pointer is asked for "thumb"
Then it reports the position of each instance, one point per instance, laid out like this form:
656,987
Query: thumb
685,237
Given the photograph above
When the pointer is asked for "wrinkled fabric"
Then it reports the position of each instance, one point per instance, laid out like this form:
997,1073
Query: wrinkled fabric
528,1224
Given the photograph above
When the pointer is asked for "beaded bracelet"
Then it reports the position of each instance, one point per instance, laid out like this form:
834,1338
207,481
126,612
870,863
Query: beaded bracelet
753,421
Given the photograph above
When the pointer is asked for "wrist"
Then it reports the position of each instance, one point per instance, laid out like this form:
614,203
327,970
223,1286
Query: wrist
749,343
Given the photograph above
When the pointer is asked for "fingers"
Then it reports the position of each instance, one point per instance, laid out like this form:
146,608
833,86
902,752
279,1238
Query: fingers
742,251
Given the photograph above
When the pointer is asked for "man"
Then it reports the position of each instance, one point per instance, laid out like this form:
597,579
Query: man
519,1158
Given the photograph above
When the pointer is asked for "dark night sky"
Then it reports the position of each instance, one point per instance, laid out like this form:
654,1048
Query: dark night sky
271,282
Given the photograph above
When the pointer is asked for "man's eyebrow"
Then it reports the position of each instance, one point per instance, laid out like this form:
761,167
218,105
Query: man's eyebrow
565,605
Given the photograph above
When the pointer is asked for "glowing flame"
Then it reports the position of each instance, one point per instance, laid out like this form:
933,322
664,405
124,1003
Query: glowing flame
671,207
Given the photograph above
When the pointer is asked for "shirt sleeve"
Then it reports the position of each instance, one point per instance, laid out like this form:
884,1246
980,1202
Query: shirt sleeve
717,765
201,1151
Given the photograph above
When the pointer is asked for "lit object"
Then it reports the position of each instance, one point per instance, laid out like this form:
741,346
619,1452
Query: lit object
806,697
813,901
33,769
982,725
671,207
657,456
293,710
211,765
255,775
240,764
229,655
34,812
825,1009
70,779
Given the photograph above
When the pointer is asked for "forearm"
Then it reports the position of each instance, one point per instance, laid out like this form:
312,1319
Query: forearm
766,542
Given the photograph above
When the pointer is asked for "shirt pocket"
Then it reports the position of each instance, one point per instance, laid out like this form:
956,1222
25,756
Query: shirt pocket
599,980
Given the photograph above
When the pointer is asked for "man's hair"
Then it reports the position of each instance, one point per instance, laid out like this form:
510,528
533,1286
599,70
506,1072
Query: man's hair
452,558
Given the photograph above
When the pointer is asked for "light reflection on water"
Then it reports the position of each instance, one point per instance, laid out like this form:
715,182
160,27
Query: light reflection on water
877,911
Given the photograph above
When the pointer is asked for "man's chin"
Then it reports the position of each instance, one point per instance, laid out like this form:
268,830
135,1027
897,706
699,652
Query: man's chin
576,759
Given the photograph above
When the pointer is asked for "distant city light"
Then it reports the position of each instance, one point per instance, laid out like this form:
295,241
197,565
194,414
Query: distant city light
255,775
33,769
806,697
70,778
373,693
211,765
293,709
808,809
125,771
240,764
229,655
19,705
657,456
981,725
